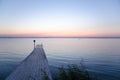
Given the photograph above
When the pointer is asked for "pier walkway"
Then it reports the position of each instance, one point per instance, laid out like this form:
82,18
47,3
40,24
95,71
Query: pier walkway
34,67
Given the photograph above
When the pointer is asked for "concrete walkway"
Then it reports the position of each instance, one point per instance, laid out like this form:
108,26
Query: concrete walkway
34,67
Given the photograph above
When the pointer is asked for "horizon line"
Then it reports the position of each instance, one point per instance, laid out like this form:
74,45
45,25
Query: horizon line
61,37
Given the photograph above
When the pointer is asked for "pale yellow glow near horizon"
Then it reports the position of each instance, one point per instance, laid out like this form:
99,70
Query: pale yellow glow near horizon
57,32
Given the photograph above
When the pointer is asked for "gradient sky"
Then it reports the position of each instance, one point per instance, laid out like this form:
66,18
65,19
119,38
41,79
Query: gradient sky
58,18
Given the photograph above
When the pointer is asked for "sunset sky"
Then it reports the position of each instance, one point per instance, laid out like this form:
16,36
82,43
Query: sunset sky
59,18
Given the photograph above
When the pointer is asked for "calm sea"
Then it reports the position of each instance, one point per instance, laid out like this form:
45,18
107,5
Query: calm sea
101,56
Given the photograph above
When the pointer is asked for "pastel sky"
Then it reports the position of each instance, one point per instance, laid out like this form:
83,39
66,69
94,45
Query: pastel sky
59,18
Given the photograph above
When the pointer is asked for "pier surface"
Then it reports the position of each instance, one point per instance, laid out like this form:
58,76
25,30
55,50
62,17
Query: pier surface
34,67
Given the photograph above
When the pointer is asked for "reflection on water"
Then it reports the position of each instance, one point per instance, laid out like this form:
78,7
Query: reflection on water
101,56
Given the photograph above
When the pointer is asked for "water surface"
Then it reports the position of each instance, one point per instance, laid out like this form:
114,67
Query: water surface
101,56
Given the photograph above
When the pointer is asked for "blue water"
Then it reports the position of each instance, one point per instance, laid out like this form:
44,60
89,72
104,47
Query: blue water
101,56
